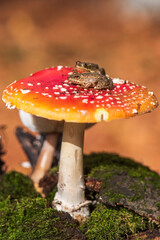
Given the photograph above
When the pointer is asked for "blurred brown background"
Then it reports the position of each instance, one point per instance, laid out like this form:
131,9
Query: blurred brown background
123,36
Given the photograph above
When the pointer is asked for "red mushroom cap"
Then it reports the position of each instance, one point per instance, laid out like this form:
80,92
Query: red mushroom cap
49,94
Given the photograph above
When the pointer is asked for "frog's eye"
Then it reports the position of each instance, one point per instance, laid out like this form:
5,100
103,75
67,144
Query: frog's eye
85,65
78,63
102,71
76,76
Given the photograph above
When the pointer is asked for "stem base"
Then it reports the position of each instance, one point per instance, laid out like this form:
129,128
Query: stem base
79,212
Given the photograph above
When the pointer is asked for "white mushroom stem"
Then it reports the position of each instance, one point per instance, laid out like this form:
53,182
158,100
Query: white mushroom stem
45,158
71,189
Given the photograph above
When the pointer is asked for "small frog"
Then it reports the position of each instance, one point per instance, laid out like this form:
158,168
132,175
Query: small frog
91,67
92,77
91,80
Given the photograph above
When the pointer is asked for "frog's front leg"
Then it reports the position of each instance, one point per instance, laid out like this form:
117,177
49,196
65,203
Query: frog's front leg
100,84
86,84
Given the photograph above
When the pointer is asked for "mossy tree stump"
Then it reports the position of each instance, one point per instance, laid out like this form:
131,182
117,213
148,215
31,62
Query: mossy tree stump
125,195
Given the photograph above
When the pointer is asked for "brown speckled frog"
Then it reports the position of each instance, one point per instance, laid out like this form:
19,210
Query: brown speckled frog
94,77
91,80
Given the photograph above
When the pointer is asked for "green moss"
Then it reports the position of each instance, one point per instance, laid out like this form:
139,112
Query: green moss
51,195
33,219
95,160
114,163
15,185
125,182
113,223
25,215
53,170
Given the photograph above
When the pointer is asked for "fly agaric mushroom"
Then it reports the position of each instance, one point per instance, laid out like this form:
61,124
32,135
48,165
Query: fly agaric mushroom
51,94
